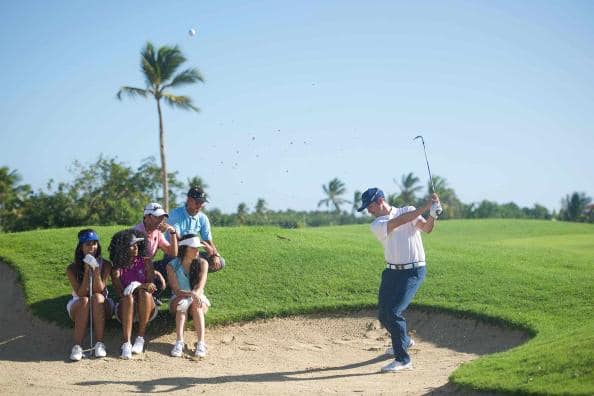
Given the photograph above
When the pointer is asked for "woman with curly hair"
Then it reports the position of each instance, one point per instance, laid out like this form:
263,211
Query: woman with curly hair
79,274
187,275
132,277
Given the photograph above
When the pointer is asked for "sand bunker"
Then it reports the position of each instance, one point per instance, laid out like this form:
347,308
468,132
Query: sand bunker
314,354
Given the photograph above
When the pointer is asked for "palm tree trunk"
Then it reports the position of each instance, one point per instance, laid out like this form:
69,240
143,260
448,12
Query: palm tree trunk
163,161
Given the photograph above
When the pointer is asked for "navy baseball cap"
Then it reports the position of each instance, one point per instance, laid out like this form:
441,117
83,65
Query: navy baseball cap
370,195
197,193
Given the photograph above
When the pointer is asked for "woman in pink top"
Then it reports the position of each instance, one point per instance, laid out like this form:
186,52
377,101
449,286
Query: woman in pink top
132,277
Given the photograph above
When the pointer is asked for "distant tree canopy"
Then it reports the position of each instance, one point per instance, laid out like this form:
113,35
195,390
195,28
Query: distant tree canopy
576,207
110,192
12,196
104,192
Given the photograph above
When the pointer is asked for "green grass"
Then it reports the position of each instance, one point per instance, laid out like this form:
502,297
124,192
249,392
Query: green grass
534,275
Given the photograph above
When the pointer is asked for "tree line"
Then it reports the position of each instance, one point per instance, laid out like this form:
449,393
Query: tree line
109,192
576,206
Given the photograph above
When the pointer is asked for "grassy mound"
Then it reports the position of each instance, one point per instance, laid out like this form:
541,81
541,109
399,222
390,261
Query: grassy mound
535,275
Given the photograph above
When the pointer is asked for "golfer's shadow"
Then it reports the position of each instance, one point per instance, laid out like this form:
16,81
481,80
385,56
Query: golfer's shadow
181,383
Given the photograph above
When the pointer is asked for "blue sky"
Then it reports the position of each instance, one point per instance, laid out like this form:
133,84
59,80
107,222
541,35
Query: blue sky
298,93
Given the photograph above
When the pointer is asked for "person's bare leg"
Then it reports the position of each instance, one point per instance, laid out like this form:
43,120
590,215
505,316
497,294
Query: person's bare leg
99,304
198,318
180,322
145,309
126,312
80,314
180,318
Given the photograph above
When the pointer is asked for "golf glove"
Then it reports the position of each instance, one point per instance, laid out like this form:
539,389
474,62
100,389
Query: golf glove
130,288
91,261
436,210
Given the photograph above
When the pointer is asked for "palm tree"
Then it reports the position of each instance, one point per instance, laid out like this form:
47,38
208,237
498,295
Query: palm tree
573,207
8,186
408,188
261,211
396,200
12,196
197,181
159,67
242,211
356,200
261,206
452,206
334,190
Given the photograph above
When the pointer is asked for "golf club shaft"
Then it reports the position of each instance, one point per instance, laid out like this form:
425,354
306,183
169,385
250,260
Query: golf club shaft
91,309
427,161
428,168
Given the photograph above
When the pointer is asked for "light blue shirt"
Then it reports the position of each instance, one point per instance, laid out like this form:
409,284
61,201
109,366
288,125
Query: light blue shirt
184,223
183,279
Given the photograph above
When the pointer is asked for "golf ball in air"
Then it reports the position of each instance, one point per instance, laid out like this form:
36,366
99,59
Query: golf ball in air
192,32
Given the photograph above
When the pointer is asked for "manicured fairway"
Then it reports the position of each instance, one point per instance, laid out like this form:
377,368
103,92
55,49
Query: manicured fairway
535,275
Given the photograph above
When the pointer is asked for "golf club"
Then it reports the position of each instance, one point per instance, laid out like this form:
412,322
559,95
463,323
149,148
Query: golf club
89,352
428,168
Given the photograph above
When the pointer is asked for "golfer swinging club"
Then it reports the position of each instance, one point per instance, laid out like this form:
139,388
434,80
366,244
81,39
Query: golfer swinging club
397,229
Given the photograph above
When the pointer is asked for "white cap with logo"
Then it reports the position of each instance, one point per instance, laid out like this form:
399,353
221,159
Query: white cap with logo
155,209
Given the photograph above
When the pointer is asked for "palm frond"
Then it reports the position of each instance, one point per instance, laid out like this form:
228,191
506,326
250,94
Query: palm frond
150,72
189,76
132,92
182,102
149,66
168,60
324,202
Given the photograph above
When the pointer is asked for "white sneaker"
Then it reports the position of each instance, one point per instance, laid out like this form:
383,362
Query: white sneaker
138,345
126,351
396,366
178,349
76,353
390,350
100,350
201,349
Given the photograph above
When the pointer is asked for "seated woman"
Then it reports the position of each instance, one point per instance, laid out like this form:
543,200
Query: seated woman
79,274
187,275
132,277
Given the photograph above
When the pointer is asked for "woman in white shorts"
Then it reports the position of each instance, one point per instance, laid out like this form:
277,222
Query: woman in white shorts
79,274
187,275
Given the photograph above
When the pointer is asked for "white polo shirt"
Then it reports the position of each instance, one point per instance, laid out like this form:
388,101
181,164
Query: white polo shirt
404,244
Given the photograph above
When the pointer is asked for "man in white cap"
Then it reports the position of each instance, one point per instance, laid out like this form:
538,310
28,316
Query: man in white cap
398,230
153,225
